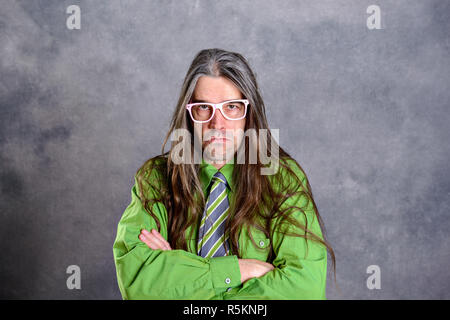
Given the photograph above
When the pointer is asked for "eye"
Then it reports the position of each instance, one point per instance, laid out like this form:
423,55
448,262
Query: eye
232,106
203,107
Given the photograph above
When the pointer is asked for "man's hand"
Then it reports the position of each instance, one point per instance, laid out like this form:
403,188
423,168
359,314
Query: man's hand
154,240
253,268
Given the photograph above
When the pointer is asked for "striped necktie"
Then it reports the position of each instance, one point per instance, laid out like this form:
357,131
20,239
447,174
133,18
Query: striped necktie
211,232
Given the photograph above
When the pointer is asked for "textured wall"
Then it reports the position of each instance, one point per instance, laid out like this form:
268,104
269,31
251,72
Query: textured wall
365,112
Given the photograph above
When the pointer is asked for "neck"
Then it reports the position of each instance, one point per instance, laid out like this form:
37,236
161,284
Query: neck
218,165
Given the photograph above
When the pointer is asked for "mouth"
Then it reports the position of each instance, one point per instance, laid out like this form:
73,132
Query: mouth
217,139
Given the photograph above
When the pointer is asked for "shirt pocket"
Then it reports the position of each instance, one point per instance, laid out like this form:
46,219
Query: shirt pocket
260,251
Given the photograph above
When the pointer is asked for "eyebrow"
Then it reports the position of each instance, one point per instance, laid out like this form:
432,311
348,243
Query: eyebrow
200,100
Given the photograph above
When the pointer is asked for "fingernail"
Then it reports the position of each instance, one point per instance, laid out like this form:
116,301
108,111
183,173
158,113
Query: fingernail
144,231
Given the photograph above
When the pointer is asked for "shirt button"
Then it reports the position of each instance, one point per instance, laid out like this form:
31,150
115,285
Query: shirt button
227,280
229,289
261,243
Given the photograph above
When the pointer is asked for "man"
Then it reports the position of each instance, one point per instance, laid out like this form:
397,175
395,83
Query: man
228,226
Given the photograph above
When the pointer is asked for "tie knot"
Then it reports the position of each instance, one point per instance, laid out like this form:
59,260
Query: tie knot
220,177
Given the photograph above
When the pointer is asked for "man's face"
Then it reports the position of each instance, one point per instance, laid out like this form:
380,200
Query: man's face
217,148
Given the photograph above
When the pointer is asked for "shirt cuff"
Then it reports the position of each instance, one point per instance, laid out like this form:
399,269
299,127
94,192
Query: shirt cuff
225,271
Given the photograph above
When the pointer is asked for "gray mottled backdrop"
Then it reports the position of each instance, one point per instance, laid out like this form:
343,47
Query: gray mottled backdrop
365,112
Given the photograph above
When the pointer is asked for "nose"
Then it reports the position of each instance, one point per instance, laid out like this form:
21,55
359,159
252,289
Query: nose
218,121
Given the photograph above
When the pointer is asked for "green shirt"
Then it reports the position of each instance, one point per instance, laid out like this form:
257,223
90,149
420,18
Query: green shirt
143,273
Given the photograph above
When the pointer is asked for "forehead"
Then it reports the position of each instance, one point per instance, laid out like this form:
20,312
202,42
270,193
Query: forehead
215,90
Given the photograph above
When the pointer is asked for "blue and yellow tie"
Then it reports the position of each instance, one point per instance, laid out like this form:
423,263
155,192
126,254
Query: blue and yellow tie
211,241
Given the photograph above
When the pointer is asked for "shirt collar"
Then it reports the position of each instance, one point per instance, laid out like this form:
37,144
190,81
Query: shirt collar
207,171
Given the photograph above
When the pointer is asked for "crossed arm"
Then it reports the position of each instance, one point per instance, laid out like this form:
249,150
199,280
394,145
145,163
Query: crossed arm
249,268
148,268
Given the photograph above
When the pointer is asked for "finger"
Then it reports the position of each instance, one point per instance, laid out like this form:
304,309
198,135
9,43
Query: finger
266,267
148,242
158,240
269,265
160,237
265,264
151,240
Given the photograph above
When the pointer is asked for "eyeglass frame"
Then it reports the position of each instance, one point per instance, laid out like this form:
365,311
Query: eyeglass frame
217,106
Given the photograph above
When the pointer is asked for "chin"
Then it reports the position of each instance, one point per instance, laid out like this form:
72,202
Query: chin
218,156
